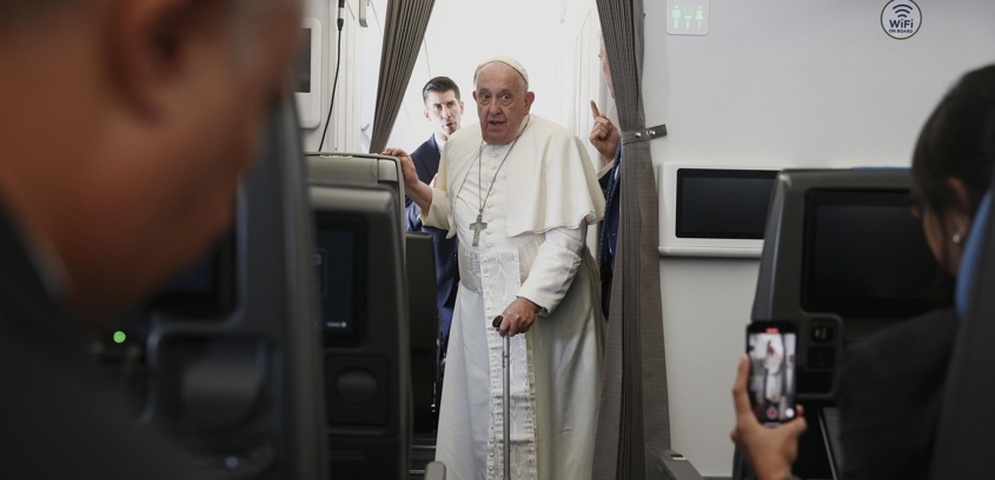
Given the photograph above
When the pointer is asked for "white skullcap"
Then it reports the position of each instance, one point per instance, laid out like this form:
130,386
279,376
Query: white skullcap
511,62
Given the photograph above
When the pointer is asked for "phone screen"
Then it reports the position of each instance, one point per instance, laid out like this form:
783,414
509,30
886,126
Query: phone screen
771,348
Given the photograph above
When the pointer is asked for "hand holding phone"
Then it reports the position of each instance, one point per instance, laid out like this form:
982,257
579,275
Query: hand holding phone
771,347
769,449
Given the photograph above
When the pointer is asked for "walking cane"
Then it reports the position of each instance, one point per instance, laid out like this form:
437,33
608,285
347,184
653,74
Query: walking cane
506,371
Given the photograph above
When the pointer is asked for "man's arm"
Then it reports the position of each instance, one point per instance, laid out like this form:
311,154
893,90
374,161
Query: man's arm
604,136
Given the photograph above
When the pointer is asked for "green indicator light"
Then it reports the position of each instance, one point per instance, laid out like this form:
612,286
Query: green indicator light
120,337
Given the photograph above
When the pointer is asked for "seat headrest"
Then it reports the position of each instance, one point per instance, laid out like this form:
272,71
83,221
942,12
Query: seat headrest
966,278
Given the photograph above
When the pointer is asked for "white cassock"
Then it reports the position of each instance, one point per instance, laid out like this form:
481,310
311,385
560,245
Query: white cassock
537,213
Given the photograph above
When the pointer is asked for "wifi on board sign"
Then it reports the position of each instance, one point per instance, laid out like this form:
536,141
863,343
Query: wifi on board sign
901,19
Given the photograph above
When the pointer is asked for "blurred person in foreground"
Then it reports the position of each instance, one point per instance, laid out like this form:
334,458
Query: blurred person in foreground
125,129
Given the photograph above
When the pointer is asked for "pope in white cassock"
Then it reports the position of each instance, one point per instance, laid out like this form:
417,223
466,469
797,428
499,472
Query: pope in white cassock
519,192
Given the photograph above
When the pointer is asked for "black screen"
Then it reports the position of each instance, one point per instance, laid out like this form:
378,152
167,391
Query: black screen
339,259
715,203
204,290
303,83
865,256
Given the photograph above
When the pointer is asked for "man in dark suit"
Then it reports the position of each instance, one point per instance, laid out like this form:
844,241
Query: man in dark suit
608,142
606,139
443,108
124,132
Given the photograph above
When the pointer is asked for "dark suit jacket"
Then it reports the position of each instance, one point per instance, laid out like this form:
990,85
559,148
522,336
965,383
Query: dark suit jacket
609,227
426,160
890,397
58,419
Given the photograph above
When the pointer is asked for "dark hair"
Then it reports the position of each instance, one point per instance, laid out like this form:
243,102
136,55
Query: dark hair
958,140
440,85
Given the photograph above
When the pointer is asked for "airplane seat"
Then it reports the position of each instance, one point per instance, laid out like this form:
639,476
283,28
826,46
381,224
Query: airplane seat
357,169
969,258
842,258
961,448
226,358
365,329
425,321
390,275
670,465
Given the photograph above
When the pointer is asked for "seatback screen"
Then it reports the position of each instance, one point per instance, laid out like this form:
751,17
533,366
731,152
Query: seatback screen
206,290
341,272
865,256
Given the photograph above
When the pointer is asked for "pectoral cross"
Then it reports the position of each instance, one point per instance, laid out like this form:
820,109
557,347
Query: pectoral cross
477,227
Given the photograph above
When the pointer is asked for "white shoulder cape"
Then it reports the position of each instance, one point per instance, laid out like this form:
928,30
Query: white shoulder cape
549,170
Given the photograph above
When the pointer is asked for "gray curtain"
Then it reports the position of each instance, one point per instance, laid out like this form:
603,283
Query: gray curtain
403,35
634,416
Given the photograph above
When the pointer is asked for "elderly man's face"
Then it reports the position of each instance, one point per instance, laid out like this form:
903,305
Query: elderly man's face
502,102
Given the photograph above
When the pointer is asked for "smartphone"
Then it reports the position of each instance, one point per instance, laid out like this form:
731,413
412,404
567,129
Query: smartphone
771,347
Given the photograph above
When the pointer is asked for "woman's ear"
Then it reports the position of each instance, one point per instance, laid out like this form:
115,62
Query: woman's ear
959,215
961,198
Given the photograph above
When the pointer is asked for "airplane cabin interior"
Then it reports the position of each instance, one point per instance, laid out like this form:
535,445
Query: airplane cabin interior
305,345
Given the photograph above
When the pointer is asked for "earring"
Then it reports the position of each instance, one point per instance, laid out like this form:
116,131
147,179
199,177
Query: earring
957,239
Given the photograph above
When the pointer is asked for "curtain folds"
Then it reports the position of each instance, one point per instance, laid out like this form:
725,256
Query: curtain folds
403,35
634,417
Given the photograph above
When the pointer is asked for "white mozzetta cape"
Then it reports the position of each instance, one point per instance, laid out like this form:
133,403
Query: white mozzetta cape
551,189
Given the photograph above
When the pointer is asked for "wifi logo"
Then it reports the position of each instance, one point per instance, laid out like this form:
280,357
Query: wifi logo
901,19
902,10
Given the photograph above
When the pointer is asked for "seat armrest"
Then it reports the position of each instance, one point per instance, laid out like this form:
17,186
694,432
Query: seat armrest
670,465
435,471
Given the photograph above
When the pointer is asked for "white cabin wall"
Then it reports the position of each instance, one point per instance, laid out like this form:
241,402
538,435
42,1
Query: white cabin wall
344,131
320,10
578,76
780,83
